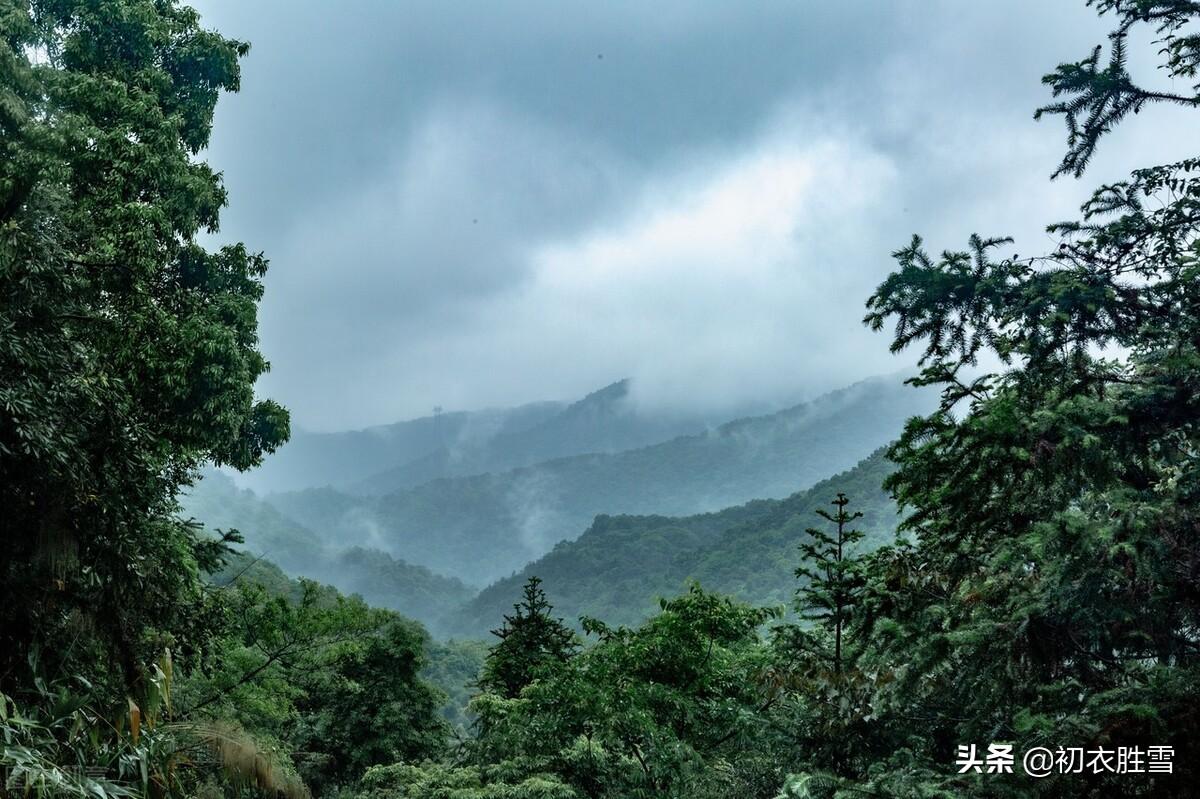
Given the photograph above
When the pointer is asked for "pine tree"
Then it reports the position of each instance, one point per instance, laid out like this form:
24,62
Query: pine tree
531,640
834,578
1050,596
816,664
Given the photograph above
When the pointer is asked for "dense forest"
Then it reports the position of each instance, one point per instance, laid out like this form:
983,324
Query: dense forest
793,613
621,565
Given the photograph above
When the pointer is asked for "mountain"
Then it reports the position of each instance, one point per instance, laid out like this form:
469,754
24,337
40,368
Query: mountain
619,568
484,527
342,459
382,459
379,578
604,421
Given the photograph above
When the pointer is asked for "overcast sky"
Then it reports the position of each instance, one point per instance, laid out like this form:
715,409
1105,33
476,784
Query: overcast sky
474,204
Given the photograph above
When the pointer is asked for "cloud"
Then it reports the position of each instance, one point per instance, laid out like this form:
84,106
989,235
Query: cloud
478,204
379,271
725,279
711,273
445,220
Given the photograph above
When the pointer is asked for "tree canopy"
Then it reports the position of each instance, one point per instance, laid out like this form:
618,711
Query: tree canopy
1041,592
129,351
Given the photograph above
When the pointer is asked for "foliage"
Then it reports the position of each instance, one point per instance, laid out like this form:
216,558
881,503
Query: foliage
660,710
300,688
129,352
833,579
621,565
434,781
824,706
128,358
1098,98
454,667
1050,597
46,754
531,642
333,681
62,745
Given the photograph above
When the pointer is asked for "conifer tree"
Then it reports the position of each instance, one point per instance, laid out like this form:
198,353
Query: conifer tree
816,668
834,578
1050,596
531,640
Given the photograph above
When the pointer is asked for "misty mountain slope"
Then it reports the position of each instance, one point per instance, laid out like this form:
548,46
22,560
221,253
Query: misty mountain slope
485,527
341,459
378,577
619,568
217,502
604,421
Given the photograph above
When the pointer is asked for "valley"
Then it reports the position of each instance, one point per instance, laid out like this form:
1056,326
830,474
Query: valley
610,532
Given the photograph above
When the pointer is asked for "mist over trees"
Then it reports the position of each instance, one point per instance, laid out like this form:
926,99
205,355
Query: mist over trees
491,524
1017,567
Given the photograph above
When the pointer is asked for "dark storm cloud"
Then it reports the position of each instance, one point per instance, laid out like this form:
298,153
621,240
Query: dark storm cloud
470,204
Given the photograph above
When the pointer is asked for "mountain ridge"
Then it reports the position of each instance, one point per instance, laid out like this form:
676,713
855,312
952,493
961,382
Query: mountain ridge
621,566
483,527
316,459
604,421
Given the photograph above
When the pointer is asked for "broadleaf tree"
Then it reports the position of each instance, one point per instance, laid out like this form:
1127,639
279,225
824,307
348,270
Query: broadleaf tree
129,351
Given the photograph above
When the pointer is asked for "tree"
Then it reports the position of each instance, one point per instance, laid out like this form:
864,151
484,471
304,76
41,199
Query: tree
129,352
1099,98
531,641
834,578
435,781
1050,597
327,681
672,708
364,704
827,696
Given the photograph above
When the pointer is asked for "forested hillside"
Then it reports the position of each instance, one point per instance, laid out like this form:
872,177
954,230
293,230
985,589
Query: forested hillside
1031,630
622,565
379,578
382,459
607,420
488,526
343,459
